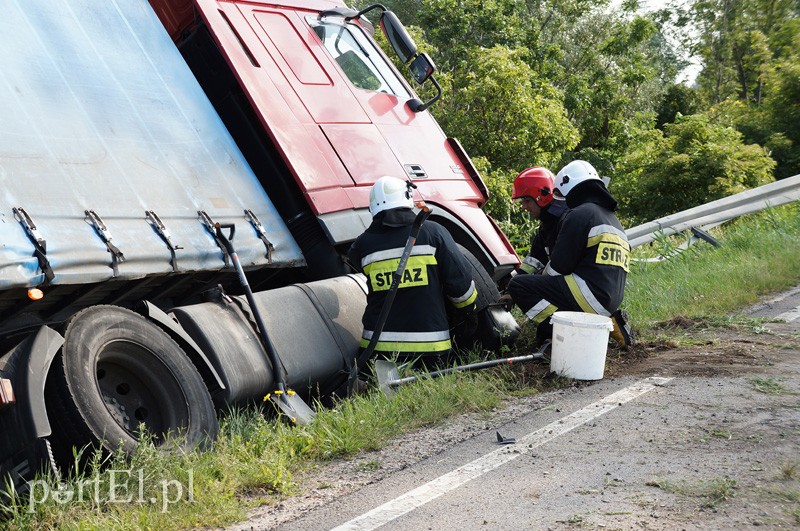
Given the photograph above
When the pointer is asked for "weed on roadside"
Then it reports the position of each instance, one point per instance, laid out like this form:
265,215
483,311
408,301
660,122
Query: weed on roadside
368,466
790,471
769,386
706,323
712,281
788,497
253,461
716,434
712,492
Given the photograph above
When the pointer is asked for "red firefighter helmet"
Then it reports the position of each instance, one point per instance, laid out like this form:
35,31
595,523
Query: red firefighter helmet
536,182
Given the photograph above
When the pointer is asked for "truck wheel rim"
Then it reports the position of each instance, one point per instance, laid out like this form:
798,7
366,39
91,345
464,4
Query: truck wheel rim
139,389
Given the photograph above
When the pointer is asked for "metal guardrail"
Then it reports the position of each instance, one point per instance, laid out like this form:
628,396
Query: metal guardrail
716,212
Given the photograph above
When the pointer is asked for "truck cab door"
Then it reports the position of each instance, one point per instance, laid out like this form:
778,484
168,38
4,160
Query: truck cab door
305,95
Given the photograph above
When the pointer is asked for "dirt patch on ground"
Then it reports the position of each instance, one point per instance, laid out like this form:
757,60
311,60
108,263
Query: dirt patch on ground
692,349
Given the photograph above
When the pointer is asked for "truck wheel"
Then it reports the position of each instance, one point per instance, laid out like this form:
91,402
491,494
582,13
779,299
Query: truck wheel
118,372
487,290
496,326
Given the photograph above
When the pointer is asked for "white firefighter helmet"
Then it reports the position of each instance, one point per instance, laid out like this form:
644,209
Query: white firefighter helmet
388,193
574,173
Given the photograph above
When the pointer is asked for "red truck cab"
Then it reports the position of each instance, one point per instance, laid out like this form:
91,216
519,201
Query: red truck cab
335,114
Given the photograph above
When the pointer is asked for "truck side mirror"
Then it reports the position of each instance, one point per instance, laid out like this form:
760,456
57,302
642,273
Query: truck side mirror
417,106
422,68
399,39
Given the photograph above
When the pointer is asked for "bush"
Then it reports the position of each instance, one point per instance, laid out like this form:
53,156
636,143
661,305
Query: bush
693,162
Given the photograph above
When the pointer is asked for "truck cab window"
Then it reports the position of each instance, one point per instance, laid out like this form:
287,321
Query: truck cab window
358,58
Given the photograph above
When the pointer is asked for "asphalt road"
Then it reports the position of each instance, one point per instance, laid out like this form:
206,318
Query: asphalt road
636,452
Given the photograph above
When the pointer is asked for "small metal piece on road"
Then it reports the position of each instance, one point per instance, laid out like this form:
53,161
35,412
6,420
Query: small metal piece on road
504,440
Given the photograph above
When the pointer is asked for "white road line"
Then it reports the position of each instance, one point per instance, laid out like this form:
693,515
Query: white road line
418,497
785,295
767,304
789,316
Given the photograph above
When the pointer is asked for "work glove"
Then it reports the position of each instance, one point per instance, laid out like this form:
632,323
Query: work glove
503,283
507,301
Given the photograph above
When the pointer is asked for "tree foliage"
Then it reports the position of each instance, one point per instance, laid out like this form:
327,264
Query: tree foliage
526,118
693,161
738,41
541,82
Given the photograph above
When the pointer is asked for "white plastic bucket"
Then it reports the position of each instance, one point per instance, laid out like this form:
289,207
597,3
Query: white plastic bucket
580,342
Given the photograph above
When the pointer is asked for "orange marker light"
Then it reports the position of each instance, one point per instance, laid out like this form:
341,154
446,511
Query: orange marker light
35,294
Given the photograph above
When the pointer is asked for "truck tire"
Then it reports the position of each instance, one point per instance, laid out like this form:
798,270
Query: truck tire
116,372
496,326
487,290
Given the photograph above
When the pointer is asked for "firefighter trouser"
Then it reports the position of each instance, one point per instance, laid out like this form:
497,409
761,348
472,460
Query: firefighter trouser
421,360
539,296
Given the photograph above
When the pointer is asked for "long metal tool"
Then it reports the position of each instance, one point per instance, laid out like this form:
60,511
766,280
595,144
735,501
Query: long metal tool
284,398
389,378
397,276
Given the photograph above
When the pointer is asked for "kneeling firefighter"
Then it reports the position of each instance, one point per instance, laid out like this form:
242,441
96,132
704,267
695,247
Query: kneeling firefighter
436,274
589,262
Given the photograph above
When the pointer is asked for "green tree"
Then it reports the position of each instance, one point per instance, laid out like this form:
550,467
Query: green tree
694,160
540,82
500,111
602,68
784,109
773,118
738,40
678,100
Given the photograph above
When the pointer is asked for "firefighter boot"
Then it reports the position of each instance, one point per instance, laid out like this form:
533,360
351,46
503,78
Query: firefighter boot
622,332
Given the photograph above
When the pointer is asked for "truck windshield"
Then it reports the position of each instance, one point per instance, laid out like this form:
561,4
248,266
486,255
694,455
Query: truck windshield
358,58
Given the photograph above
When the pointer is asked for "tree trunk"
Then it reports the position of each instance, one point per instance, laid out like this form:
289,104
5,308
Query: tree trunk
759,86
742,79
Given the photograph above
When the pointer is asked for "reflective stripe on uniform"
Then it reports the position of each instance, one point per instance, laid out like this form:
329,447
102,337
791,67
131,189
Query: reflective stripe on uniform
531,264
549,271
409,336
612,246
396,253
584,296
409,341
609,234
540,311
467,298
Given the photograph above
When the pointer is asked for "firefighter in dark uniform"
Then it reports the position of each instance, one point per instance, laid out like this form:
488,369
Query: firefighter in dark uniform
533,189
589,262
437,274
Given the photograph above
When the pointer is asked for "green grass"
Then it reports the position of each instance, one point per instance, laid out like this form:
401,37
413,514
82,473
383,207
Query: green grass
254,455
769,386
758,255
711,492
791,471
256,459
